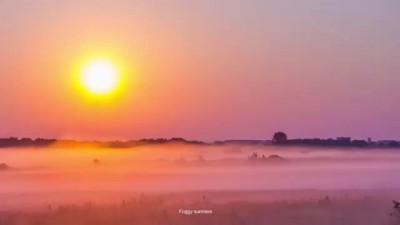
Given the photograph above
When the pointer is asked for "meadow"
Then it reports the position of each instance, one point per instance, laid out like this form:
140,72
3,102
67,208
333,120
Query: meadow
184,184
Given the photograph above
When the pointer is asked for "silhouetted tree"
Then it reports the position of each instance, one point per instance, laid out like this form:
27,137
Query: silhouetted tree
279,137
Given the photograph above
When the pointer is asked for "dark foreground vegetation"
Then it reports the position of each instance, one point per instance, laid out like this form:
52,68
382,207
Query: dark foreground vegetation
157,210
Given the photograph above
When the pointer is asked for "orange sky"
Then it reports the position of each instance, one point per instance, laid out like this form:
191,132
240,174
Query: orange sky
206,70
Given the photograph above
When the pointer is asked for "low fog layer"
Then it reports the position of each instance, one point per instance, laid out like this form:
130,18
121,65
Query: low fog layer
241,184
181,168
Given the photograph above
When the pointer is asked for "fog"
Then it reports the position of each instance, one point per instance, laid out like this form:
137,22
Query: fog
34,178
180,167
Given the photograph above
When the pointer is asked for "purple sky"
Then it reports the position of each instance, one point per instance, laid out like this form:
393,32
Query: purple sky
204,70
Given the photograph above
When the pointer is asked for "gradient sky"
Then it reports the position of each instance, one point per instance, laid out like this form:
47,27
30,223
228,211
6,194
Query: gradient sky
203,70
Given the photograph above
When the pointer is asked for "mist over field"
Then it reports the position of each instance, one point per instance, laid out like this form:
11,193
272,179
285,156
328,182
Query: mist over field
181,167
216,177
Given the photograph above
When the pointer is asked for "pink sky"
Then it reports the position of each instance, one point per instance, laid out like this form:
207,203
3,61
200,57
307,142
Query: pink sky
203,70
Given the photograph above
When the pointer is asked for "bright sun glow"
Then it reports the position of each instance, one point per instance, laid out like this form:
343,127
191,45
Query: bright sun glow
100,76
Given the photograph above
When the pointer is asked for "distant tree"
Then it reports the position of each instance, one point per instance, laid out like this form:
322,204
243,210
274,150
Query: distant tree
177,139
359,143
25,140
279,137
394,144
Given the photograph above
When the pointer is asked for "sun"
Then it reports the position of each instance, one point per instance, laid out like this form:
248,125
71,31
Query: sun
100,76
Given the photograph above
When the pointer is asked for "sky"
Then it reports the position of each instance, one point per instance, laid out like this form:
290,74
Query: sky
204,70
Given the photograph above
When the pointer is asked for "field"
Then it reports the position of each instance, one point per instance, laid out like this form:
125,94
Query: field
199,185
299,207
